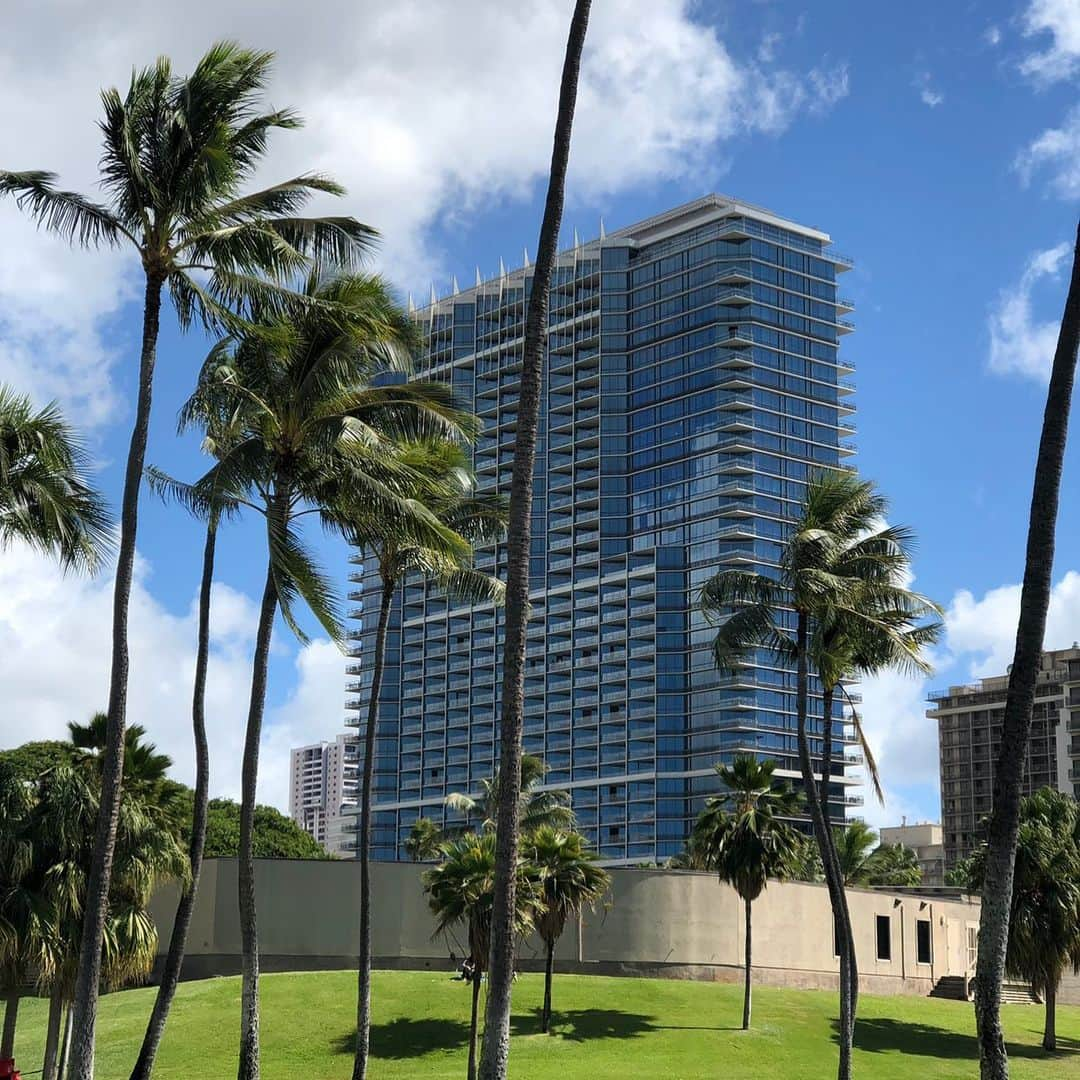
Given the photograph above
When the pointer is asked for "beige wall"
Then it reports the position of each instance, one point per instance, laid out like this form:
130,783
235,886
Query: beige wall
656,922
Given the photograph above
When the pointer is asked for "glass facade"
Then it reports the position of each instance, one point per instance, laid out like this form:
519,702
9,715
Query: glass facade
692,381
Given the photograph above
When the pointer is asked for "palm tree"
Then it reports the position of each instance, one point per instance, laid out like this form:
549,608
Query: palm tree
176,154
143,765
1044,923
19,925
1004,826
444,485
313,435
854,844
425,840
44,499
537,806
569,880
496,1050
894,865
212,511
745,838
461,891
843,573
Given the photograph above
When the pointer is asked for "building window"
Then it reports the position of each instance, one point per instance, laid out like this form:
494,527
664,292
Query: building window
884,937
924,949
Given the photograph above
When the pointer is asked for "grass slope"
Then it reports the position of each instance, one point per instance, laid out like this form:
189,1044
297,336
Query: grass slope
618,1028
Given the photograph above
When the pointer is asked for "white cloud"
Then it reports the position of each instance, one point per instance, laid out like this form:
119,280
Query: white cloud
1020,344
992,36
426,112
1060,58
981,633
1058,150
54,660
927,94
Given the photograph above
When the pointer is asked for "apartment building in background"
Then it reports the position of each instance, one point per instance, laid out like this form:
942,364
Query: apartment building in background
323,780
692,382
925,839
969,734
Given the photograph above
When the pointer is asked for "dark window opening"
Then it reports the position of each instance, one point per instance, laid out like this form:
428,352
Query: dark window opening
924,948
884,937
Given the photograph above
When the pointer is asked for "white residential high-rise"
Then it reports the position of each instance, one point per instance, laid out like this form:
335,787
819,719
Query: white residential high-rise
322,787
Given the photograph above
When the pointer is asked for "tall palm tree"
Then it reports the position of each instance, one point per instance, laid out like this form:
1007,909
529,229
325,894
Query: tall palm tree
1044,921
444,485
537,806
570,880
44,498
843,573
143,765
425,840
217,430
312,434
744,836
1004,824
461,891
177,152
496,1051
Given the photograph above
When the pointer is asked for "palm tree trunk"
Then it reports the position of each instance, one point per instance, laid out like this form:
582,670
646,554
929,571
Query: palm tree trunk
249,937
1050,1028
850,972
174,959
363,1001
50,1062
11,1018
549,972
65,1046
830,863
88,977
1020,701
496,1049
473,1021
749,966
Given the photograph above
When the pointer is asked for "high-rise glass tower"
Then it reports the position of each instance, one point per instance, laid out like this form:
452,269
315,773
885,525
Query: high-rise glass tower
692,382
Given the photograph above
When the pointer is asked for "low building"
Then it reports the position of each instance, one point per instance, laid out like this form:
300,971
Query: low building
925,839
970,721
323,780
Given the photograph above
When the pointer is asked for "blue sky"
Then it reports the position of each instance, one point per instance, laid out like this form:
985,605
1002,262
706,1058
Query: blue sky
936,143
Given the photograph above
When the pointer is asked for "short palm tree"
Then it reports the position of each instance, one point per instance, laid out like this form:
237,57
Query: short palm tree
854,844
442,482
844,575
177,153
745,835
143,765
314,433
1044,924
570,880
1004,825
518,541
45,500
538,807
425,840
894,865
461,892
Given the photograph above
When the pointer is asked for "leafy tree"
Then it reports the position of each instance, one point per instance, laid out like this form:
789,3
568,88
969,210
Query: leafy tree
894,864
806,860
461,892
276,836
1044,923
745,835
855,843
176,154
844,574
33,758
537,806
442,482
314,433
961,875
1003,830
496,1051
570,880
44,499
425,840
143,765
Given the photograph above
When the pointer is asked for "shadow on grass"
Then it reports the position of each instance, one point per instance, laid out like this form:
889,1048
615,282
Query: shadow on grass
581,1025
405,1038
879,1034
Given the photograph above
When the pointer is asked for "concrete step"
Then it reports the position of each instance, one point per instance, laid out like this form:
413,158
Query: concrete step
953,987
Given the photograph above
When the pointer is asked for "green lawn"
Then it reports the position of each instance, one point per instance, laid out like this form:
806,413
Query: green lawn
604,1028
